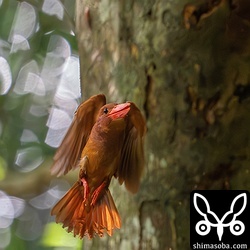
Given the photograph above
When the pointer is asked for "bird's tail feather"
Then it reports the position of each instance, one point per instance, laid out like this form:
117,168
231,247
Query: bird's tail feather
72,213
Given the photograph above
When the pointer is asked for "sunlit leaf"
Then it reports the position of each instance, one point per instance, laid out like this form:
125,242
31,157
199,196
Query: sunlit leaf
53,7
3,168
5,76
27,159
55,236
24,22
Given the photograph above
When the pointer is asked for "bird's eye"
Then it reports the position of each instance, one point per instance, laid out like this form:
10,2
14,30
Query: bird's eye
105,111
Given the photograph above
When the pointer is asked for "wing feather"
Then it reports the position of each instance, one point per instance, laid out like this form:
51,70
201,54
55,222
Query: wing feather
69,152
132,157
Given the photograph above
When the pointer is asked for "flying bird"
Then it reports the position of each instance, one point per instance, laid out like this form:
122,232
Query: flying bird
104,140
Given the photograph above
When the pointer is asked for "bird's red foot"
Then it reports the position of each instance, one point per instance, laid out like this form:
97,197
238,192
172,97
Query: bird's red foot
85,189
97,192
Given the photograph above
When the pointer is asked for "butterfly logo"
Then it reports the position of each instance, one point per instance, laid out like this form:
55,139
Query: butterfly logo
203,227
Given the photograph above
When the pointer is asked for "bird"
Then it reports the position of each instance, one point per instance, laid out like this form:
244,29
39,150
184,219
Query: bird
103,141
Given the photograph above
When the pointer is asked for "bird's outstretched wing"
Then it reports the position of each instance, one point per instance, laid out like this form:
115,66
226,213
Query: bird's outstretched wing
132,157
69,152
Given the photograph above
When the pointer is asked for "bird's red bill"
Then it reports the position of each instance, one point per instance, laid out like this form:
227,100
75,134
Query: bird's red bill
120,110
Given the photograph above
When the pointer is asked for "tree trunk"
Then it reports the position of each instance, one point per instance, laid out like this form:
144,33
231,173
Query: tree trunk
186,65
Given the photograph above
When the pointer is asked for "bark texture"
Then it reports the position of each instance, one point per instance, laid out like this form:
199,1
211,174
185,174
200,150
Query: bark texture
186,65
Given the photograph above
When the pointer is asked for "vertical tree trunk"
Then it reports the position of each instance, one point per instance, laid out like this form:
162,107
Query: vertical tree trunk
187,67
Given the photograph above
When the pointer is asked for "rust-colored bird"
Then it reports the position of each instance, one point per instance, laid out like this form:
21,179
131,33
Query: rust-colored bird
104,140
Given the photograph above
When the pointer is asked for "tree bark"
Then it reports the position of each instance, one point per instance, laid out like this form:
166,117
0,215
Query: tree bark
186,66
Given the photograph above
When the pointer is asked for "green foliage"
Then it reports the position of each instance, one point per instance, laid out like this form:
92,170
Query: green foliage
37,47
27,34
3,167
56,236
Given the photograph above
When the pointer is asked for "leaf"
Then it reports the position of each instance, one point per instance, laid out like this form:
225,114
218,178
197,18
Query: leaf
55,236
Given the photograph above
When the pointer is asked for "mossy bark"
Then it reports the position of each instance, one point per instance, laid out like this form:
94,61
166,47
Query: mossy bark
186,65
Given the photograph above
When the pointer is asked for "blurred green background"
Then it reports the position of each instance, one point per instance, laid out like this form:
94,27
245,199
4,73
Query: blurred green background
39,91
